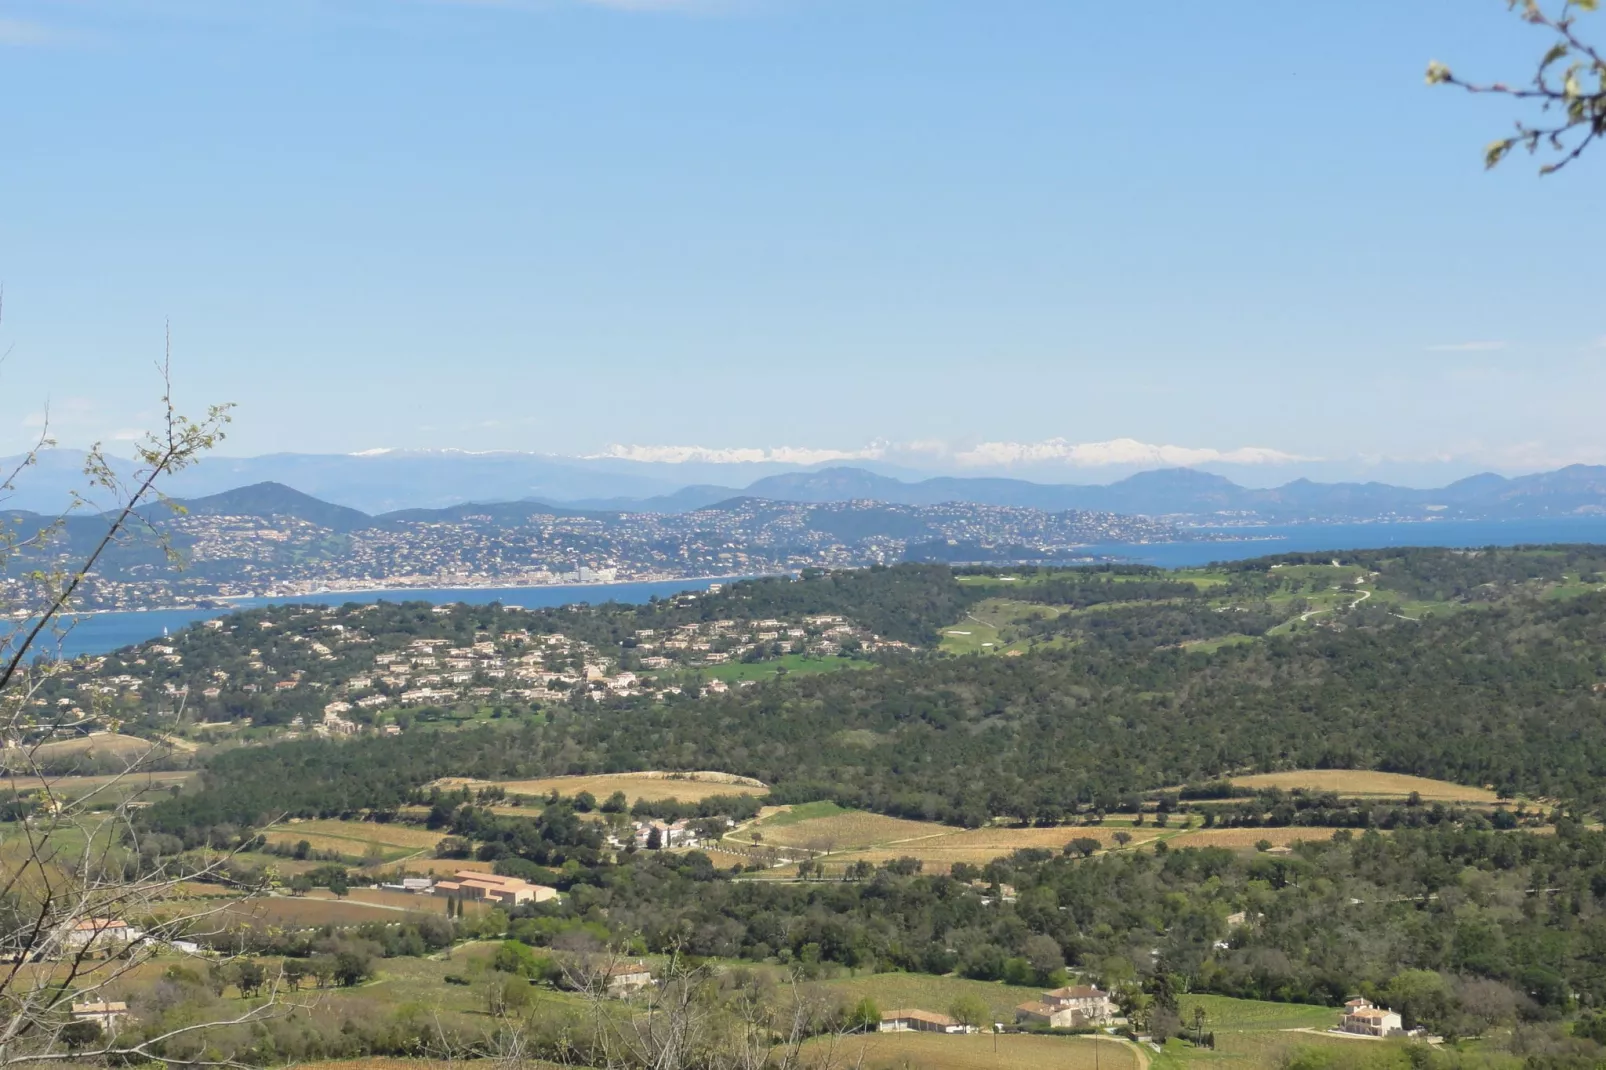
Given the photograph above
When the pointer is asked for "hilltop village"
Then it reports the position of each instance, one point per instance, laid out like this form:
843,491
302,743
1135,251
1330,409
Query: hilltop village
339,671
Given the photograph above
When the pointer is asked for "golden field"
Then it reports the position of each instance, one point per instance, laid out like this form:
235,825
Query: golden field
844,831
1360,782
652,786
391,834
1247,838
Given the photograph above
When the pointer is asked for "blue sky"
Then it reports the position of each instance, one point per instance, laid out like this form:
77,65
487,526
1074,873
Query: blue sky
944,229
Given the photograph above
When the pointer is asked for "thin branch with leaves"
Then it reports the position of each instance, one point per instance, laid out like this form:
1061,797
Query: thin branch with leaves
85,899
1569,88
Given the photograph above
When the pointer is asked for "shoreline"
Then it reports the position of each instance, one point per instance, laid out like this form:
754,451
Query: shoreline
276,598
490,587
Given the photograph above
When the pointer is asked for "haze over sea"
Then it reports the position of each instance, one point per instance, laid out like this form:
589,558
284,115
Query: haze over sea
102,632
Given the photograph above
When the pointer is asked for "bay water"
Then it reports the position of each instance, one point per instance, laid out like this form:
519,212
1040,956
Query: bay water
100,632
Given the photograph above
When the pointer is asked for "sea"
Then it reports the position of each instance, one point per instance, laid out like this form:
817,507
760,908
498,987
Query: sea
97,633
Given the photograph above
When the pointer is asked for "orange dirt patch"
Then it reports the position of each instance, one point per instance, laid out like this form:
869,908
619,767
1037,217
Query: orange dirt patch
407,901
293,912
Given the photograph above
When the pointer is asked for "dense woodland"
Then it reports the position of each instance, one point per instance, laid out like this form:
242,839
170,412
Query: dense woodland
1359,913
1501,693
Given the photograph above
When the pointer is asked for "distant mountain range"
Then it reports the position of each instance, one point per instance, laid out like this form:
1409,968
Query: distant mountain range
270,539
1578,490
410,483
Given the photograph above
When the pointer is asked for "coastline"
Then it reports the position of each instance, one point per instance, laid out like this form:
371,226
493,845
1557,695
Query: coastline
486,587
236,602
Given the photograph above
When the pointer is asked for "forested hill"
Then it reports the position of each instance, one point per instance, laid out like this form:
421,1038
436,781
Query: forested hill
1480,668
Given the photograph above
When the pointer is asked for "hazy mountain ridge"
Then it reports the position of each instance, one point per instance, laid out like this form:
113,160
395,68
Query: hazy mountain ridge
413,486
1183,492
273,540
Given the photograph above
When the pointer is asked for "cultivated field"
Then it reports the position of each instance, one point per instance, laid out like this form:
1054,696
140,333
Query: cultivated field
1362,783
842,837
98,743
405,902
388,833
1002,841
1240,839
847,836
980,846
358,839
440,867
309,911
847,830
111,786
652,786
1015,1051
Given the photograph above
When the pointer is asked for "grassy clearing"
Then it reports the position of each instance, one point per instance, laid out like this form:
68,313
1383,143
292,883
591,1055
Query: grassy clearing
792,664
417,988
939,847
1242,839
791,815
846,830
348,848
1225,1013
652,786
989,627
1210,646
111,743
439,867
1363,783
931,993
1013,1051
115,787
385,833
1202,578
848,836
77,785
1251,1034
1269,1049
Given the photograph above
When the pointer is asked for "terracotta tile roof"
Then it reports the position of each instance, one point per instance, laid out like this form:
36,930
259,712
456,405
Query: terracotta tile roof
628,970
1075,992
916,1015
